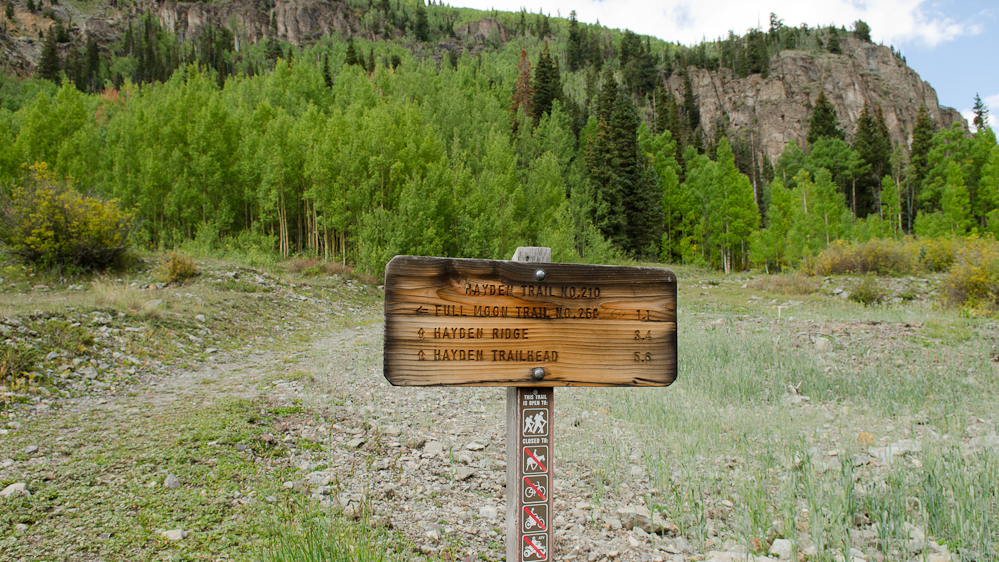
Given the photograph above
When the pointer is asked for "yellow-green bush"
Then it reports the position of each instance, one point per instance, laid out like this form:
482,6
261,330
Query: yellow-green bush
936,254
883,257
973,280
177,268
46,221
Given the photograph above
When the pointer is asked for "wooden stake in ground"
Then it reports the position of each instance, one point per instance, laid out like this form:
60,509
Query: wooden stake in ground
530,325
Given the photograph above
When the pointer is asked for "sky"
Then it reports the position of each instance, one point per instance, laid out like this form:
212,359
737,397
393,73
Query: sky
952,44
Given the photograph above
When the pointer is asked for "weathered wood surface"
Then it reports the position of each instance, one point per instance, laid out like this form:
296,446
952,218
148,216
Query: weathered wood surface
469,322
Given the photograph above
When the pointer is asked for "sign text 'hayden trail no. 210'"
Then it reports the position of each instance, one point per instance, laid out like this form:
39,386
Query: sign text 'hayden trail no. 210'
468,322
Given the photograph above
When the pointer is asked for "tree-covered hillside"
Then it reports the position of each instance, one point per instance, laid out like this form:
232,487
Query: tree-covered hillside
411,134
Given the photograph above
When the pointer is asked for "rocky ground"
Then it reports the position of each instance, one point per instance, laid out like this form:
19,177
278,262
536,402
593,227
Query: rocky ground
174,421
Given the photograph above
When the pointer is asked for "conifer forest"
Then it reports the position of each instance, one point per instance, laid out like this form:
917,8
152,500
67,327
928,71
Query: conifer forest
358,147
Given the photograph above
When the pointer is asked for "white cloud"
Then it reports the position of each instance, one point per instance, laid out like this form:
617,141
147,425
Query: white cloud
689,21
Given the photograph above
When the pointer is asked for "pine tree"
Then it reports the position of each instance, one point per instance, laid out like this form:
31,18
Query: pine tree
874,146
351,58
92,67
422,26
823,122
691,114
327,77
575,57
522,109
922,137
48,64
544,85
639,201
862,31
607,96
833,44
371,61
981,112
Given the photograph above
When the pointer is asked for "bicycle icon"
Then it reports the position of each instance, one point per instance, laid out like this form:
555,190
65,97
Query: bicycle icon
536,489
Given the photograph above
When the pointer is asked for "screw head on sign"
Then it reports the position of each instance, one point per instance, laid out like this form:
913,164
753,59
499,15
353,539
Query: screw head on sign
539,275
538,373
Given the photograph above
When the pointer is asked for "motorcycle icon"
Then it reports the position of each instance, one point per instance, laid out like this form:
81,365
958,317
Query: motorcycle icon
531,521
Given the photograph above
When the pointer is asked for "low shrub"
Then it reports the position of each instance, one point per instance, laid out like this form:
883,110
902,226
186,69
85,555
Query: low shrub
315,268
973,280
880,257
868,292
47,222
177,268
797,284
936,254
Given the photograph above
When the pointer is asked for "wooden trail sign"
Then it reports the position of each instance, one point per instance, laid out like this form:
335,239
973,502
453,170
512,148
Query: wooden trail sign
529,325
455,322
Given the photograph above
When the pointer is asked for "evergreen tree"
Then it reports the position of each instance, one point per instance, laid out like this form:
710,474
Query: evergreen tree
922,137
351,58
48,64
862,31
607,96
823,122
988,191
575,52
547,85
874,146
640,201
370,67
421,26
74,68
92,67
522,109
327,77
691,114
9,10
981,112
832,45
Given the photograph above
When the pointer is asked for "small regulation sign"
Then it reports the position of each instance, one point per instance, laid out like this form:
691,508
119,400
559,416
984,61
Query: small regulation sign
534,472
452,321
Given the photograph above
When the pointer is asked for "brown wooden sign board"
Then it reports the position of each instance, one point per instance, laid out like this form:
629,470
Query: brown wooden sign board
468,322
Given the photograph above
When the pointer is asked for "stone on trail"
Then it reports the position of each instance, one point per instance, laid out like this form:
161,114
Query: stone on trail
782,548
488,512
173,534
635,516
463,473
433,449
19,488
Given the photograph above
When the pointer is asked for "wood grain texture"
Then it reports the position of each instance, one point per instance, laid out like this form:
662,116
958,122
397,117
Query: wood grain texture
468,322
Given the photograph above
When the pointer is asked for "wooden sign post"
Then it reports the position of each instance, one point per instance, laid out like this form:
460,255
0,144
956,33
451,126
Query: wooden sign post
530,325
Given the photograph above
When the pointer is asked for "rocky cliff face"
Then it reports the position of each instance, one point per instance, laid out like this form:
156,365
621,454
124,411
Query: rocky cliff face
778,108
769,113
295,21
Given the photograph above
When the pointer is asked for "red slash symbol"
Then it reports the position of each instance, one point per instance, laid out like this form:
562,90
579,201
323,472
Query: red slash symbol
531,484
535,547
536,520
536,461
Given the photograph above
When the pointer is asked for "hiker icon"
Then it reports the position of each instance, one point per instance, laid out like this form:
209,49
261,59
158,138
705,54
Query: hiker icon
535,423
